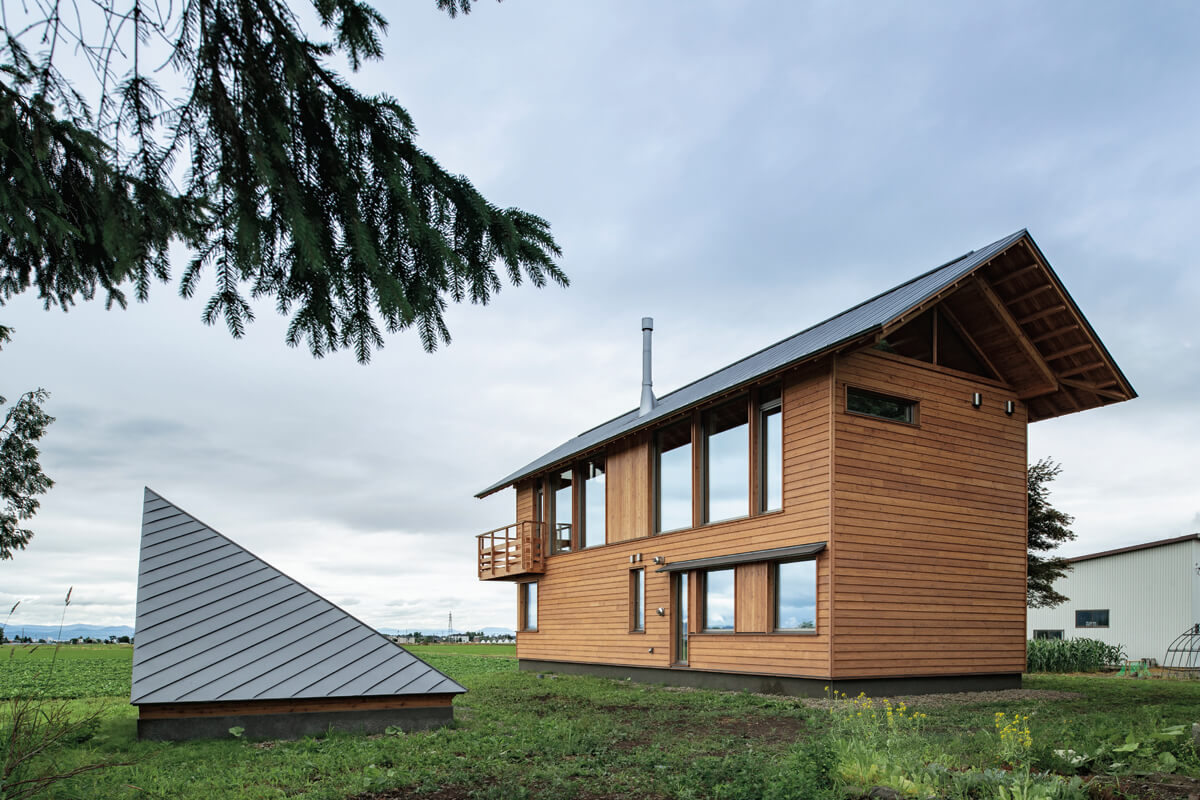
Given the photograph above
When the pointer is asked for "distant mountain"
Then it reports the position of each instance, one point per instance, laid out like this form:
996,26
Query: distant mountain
50,632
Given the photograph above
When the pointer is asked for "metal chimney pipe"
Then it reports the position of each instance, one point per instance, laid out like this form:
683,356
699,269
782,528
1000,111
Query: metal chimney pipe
648,401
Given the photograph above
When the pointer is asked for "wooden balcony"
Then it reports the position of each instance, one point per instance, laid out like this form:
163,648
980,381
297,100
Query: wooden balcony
512,552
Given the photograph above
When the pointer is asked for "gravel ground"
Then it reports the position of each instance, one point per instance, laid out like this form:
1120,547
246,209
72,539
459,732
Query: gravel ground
962,698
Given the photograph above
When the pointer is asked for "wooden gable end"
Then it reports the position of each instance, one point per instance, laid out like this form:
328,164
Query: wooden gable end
1019,319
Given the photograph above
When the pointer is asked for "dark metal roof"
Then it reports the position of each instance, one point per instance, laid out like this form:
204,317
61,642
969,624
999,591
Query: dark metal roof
215,622
850,324
774,554
1134,547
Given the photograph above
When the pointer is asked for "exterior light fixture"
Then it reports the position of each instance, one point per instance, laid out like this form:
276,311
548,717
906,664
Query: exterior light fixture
1009,407
660,559
976,400
662,611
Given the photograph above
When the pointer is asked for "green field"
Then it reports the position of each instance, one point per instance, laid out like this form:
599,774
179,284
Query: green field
524,735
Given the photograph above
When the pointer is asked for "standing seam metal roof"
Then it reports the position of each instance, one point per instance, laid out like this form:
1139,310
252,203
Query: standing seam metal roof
215,622
866,316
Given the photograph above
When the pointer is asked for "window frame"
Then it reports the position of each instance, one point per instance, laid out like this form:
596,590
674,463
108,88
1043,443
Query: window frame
580,532
706,433
704,588
637,600
914,406
1040,633
1107,618
657,488
773,577
523,605
764,409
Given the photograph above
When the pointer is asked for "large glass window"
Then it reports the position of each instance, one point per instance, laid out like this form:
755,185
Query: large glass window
896,409
564,512
796,596
718,600
529,606
592,532
637,600
727,462
1094,618
770,449
673,468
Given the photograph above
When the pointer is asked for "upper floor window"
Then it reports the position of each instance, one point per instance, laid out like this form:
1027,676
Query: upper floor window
770,449
562,512
593,487
727,462
673,477
873,404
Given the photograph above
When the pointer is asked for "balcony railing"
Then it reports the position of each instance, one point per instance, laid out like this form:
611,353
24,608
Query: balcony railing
513,551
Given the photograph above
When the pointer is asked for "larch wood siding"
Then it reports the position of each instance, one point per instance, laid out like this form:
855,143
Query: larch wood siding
583,597
627,468
525,510
929,526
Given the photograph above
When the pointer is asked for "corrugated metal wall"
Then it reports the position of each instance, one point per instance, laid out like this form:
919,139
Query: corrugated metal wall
1151,595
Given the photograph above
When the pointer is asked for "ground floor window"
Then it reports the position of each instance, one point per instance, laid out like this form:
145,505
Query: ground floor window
1092,618
795,584
528,600
718,600
637,600
1048,634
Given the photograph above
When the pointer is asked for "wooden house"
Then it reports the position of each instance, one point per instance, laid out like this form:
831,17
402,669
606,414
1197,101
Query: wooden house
846,506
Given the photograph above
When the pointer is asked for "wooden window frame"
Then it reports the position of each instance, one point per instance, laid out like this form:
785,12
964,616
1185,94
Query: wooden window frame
523,625
751,456
758,457
773,593
915,422
656,476
702,594
635,600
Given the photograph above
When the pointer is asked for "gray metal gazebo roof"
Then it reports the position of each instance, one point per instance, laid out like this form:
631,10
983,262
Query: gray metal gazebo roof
850,324
217,623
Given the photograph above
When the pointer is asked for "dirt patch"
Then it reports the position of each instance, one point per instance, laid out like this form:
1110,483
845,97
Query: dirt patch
963,698
1153,787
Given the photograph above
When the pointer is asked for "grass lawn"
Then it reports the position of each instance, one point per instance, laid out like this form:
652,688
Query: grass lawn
520,735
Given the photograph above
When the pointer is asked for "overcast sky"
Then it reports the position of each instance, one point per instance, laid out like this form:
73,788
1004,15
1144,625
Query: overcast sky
738,171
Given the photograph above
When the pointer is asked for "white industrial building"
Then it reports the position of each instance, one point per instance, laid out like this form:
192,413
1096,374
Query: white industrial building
1141,597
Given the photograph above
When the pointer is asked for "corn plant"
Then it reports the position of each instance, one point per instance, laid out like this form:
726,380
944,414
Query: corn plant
1071,655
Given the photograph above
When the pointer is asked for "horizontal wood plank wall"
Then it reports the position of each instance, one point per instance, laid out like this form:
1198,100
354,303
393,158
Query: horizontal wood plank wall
929,526
525,510
627,478
583,597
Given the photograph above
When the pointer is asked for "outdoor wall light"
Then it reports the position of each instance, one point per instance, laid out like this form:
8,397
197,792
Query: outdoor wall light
1009,407
660,559
660,611
976,400
651,650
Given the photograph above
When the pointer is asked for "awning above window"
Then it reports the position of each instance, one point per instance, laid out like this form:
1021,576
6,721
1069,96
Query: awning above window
775,554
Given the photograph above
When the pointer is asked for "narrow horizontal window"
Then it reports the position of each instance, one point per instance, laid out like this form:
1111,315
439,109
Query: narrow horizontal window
1092,618
1048,634
872,404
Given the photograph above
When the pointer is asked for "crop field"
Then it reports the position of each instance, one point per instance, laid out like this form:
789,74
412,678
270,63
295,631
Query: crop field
521,735
67,671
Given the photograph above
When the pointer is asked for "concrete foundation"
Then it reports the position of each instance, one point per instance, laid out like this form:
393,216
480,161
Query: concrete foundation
294,726
778,684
